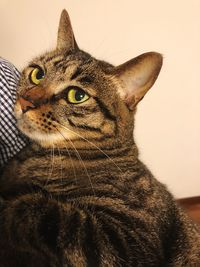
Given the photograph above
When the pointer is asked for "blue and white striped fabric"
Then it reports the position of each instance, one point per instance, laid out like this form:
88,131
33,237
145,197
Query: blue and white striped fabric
11,140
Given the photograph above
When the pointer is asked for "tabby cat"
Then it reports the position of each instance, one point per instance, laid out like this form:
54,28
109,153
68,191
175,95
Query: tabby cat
78,195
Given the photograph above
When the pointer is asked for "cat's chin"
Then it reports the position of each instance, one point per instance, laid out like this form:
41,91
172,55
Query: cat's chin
50,140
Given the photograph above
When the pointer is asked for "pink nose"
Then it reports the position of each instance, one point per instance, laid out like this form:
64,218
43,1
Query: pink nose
25,104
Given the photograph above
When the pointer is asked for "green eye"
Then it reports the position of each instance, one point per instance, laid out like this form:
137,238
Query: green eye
36,75
76,96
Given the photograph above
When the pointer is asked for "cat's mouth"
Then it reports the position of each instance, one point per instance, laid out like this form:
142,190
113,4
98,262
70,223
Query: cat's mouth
40,125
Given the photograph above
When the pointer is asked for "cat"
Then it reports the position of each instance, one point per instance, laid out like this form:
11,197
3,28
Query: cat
78,195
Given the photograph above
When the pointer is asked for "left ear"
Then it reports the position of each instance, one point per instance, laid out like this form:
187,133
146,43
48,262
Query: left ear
137,76
65,39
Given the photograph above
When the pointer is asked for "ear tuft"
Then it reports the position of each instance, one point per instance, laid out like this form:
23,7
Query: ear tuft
65,39
137,76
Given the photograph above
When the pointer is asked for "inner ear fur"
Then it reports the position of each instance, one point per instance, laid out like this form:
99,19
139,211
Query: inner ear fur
137,76
65,38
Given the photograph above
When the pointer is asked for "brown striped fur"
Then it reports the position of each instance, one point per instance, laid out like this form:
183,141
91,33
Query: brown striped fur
78,195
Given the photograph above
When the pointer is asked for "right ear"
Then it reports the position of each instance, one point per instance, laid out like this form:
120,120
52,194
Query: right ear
137,76
65,39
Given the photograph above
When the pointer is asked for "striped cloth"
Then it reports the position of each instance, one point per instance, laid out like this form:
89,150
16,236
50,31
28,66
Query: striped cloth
11,140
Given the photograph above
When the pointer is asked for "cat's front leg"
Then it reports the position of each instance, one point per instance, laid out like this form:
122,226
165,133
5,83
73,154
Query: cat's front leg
86,231
27,239
37,230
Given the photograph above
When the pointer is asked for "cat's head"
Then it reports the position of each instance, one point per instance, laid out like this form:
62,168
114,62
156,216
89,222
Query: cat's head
67,95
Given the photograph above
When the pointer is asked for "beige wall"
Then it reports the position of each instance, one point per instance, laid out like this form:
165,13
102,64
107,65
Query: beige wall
167,122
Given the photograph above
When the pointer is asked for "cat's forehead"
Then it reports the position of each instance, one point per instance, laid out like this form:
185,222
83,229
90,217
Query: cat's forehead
60,60
75,66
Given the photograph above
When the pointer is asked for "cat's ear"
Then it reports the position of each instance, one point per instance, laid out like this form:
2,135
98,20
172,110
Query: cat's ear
65,39
137,76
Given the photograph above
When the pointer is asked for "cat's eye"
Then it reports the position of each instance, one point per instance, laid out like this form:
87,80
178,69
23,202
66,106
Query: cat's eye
36,75
76,96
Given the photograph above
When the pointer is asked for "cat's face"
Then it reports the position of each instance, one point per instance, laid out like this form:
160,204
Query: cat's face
68,95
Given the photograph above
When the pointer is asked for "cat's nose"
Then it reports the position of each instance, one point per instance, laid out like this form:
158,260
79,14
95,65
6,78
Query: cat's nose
25,104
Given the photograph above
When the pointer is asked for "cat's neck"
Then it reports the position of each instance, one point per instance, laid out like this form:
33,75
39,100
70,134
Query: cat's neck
94,158
92,151
53,167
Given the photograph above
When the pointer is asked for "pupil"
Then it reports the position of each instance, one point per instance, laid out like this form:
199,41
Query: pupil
40,74
79,95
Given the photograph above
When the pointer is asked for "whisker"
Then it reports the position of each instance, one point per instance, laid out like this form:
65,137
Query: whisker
79,156
61,165
80,159
71,161
52,166
92,145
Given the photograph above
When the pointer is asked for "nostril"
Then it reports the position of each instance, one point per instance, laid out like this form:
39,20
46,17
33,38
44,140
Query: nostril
25,104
